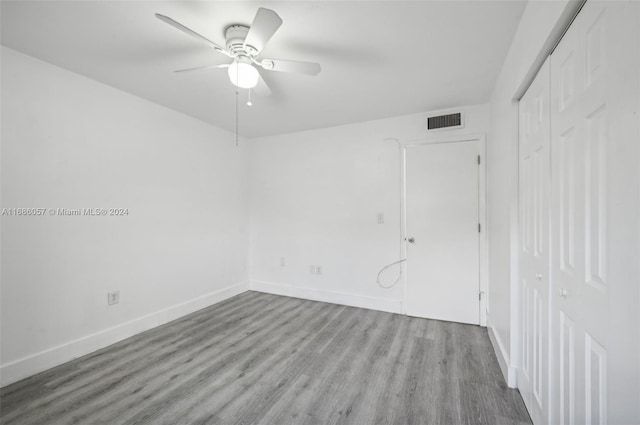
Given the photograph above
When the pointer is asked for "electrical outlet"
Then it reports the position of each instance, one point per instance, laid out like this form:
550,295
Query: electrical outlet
113,297
380,218
313,270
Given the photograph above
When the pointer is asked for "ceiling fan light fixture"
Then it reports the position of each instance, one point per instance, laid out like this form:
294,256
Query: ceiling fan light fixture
243,75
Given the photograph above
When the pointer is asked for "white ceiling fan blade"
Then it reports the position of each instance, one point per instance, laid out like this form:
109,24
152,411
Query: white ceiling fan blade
261,89
307,68
224,65
264,25
191,32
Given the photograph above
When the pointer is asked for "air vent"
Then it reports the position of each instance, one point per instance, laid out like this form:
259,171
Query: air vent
445,121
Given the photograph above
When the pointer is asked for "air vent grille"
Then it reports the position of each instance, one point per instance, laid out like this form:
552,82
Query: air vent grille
444,121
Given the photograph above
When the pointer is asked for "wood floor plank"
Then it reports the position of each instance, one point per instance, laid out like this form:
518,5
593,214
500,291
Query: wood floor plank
87,369
265,359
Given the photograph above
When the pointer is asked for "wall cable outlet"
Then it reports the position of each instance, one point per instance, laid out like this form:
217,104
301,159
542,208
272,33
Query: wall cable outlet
113,297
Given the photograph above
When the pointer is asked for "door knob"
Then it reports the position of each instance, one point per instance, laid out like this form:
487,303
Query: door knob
411,240
538,276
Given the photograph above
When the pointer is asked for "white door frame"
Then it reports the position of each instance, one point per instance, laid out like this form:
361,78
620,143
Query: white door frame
482,211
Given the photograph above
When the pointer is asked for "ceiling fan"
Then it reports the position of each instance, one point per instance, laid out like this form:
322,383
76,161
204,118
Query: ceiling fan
243,45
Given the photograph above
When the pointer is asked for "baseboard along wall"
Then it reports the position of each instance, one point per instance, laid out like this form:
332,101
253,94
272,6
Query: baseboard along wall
353,300
508,371
54,356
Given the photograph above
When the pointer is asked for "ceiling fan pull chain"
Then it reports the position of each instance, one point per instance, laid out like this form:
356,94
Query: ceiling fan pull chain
237,92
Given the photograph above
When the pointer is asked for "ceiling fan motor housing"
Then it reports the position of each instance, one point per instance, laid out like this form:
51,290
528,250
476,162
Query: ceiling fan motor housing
235,36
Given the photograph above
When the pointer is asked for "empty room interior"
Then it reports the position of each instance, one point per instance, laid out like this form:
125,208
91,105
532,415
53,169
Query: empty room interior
320,212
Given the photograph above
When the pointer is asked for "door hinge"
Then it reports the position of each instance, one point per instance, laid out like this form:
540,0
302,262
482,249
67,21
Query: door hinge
479,228
478,159
480,296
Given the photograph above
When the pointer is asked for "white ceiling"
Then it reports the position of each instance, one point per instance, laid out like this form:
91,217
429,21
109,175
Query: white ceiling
379,59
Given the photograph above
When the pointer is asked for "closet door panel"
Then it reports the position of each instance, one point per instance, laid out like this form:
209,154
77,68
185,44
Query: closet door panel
533,377
595,179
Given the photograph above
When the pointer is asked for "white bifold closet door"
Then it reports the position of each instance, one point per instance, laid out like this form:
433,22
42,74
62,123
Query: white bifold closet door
595,210
534,158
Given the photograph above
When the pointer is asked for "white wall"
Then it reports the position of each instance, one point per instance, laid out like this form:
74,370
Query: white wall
314,200
71,142
540,25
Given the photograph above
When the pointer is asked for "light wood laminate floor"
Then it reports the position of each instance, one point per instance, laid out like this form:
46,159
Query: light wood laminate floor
266,359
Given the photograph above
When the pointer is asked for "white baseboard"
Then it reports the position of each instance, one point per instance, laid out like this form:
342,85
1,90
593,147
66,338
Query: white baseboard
508,371
35,363
372,303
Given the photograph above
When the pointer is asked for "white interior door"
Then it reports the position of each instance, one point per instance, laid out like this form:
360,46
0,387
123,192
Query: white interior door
595,209
442,221
534,181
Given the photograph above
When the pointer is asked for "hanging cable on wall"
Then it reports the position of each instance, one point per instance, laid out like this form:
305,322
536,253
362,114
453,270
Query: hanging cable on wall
385,268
